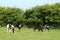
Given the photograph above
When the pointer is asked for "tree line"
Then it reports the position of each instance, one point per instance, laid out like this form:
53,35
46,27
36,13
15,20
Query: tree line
44,14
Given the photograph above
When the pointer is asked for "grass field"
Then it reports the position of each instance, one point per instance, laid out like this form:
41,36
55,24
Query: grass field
29,34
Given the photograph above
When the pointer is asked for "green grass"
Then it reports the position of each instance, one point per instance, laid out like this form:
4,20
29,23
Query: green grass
29,34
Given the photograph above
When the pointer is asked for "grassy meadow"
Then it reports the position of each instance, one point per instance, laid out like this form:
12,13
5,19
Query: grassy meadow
29,34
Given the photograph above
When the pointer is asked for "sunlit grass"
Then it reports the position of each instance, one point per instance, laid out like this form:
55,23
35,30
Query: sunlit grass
29,34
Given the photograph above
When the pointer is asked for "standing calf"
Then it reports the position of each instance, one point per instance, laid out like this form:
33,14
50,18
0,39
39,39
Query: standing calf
47,27
19,27
10,28
38,27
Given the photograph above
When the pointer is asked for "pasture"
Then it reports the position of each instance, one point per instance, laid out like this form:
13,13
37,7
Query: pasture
29,34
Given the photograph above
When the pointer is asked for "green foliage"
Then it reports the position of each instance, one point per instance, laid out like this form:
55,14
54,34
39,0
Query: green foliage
45,14
10,15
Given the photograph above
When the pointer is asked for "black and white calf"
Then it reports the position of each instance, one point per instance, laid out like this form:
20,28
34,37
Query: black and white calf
19,27
10,28
47,27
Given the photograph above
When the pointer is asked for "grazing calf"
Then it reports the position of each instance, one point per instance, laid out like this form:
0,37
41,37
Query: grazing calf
47,27
38,27
19,27
10,28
